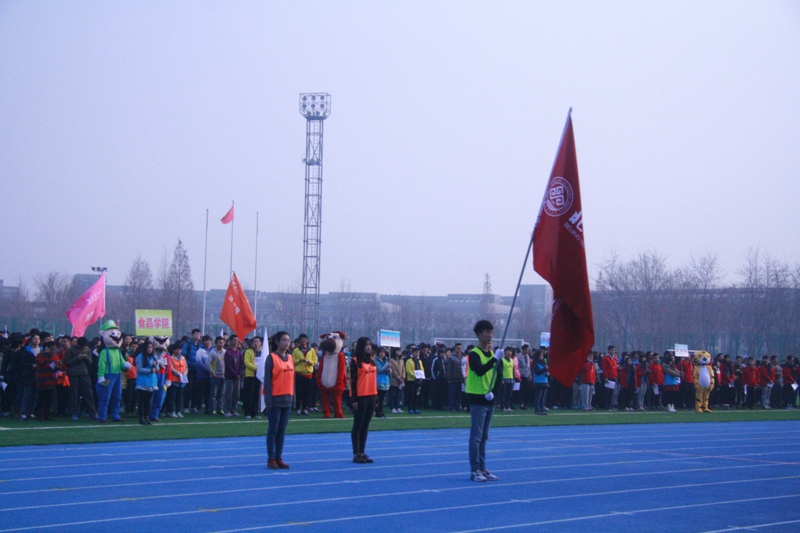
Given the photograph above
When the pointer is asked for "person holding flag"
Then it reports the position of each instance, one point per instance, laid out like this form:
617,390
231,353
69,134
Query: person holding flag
481,387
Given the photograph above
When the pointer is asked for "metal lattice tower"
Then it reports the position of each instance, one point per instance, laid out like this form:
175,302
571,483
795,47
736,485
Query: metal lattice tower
316,107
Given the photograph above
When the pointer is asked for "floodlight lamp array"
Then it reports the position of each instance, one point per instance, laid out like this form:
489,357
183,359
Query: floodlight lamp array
315,106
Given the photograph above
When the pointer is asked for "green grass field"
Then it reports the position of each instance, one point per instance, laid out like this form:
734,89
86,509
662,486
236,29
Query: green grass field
15,432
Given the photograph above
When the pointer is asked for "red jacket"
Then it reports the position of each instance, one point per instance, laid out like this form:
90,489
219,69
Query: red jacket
767,374
609,366
750,376
588,373
656,374
788,377
687,370
639,375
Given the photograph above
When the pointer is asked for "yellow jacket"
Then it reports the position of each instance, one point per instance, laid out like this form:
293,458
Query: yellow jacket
300,367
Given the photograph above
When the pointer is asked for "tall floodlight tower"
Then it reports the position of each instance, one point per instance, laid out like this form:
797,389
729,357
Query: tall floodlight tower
316,107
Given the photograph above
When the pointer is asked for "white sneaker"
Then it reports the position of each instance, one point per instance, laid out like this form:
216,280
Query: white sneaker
489,476
179,415
298,412
477,475
172,415
247,417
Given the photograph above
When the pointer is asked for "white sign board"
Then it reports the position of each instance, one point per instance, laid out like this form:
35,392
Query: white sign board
388,338
681,350
544,339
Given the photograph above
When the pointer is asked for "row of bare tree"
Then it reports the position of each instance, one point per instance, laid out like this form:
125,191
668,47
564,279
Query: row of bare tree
638,304
642,304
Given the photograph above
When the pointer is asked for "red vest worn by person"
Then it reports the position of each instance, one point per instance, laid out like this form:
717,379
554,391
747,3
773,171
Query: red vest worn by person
282,376
367,380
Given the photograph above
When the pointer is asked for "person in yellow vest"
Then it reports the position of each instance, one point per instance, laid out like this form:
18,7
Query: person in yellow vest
278,396
508,379
364,388
482,384
305,359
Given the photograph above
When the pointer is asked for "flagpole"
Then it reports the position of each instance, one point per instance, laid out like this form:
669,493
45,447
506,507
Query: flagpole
230,272
513,303
255,283
205,269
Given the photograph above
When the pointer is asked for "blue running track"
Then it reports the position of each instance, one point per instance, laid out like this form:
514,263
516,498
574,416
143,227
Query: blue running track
642,478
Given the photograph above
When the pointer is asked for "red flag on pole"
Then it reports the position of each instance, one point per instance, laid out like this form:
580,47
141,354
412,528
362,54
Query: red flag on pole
228,218
236,312
89,307
560,258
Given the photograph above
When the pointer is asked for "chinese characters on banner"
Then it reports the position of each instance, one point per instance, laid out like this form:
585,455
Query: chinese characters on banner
153,322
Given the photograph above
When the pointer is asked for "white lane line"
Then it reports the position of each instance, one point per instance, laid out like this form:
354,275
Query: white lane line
632,512
341,498
382,480
420,511
250,465
754,526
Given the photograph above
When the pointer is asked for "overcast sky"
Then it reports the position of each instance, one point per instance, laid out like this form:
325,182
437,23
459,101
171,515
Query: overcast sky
122,122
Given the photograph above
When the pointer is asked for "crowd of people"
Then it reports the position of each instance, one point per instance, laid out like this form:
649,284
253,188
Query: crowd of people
44,376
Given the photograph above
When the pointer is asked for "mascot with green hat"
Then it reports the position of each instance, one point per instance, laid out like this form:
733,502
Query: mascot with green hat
110,366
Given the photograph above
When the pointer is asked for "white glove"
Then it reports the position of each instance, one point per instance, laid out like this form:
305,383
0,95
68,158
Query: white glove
126,366
101,381
489,396
498,354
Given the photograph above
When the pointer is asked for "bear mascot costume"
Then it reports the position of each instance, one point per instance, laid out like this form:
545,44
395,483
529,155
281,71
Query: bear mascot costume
160,354
110,366
331,373
703,381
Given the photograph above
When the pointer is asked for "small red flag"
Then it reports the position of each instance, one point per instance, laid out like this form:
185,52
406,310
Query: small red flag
560,258
236,312
228,218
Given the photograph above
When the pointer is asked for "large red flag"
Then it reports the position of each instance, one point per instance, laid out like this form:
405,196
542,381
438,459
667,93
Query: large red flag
560,258
89,307
228,218
236,312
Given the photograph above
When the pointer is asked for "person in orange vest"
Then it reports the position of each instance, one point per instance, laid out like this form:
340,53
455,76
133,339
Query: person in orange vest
278,396
364,389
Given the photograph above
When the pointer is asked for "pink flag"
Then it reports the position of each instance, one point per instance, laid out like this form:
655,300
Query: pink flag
89,308
228,218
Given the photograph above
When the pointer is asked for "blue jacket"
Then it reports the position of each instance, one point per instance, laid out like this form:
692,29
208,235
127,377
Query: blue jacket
145,375
383,373
189,351
539,372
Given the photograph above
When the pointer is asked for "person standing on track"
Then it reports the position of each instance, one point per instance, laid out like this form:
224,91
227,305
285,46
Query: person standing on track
364,383
278,396
482,384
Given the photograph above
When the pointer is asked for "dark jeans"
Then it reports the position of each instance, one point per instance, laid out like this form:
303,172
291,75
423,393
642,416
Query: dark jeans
412,395
394,397
539,394
203,389
191,391
81,387
129,396
252,396
454,396
363,415
175,398
481,416
145,398
379,402
278,419
303,389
